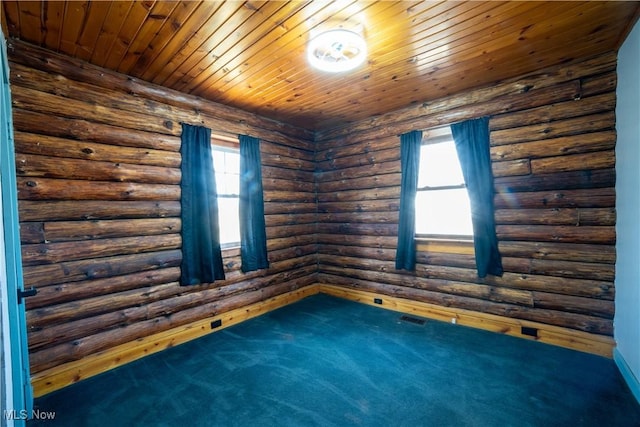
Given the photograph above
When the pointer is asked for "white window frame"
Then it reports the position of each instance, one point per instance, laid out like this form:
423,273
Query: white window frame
221,146
431,137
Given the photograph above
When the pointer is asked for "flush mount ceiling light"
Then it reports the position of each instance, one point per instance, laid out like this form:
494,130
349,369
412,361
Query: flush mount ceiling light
337,50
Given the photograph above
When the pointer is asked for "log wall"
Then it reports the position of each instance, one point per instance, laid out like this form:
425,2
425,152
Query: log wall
552,150
98,168
98,174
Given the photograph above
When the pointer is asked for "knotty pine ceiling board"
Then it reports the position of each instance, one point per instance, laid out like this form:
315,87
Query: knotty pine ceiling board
251,54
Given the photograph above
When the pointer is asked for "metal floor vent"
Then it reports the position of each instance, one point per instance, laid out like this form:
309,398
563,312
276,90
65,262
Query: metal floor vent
411,319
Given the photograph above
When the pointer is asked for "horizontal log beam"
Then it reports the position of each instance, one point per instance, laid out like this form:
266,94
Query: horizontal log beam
564,337
289,196
557,216
379,254
271,172
276,232
307,252
363,146
368,158
46,103
562,146
581,198
80,348
52,146
60,376
385,205
556,111
605,254
365,183
290,219
560,285
365,241
284,185
36,166
63,231
580,322
278,161
359,217
323,176
71,128
353,232
236,121
46,318
74,291
559,128
521,87
34,188
275,244
600,83
74,271
439,291
593,161
91,318
44,210
558,233
52,253
287,151
571,180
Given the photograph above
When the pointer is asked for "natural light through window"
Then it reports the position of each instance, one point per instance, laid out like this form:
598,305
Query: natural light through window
442,202
226,163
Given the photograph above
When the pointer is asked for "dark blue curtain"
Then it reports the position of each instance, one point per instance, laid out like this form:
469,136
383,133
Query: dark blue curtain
410,162
201,255
253,236
472,144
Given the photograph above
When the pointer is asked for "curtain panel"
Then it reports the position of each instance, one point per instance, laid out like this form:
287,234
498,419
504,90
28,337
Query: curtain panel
472,144
201,254
253,236
409,163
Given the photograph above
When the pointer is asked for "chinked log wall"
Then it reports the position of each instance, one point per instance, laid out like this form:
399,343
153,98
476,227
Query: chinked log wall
98,165
552,150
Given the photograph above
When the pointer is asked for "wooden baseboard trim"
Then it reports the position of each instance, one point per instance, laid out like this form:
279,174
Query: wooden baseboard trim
61,376
549,334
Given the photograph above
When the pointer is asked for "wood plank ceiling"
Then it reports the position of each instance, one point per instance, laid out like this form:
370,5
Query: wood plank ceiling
251,54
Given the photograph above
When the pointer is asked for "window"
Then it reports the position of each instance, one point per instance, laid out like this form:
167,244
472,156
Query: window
442,203
226,162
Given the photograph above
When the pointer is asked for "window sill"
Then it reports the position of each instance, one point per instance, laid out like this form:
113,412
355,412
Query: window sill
443,238
231,250
452,245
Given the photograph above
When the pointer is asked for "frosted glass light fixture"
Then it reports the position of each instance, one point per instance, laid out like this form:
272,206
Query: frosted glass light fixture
337,50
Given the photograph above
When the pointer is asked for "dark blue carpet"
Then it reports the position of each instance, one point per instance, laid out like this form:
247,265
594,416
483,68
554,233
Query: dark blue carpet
330,362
